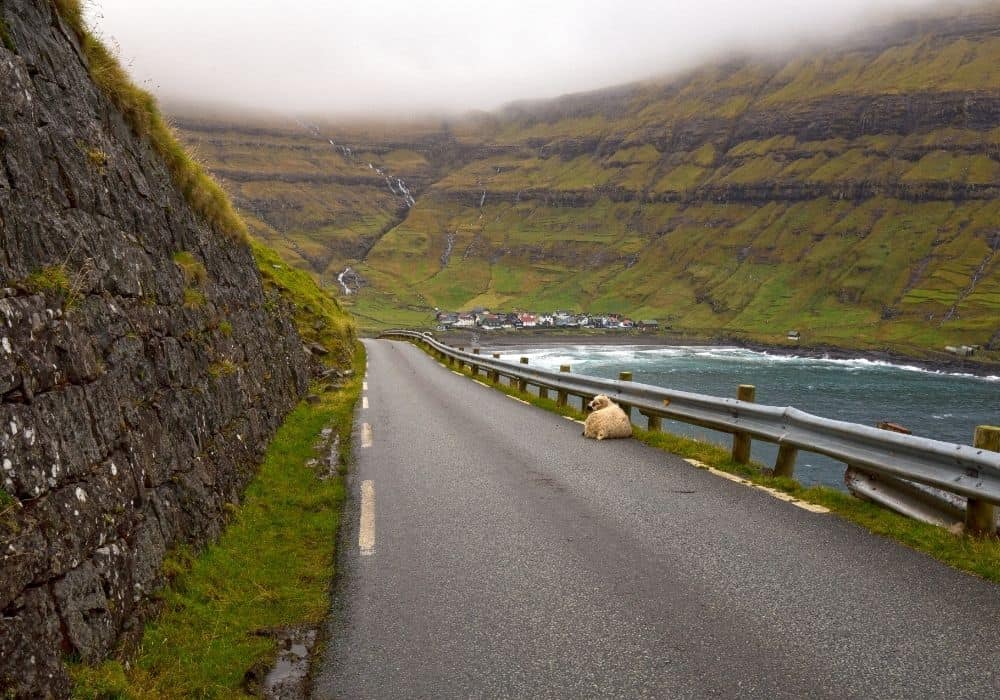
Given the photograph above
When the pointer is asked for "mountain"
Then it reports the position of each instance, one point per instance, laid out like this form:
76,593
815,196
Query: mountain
849,192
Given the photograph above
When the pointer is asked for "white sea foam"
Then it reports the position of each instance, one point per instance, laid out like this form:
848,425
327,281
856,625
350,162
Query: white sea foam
637,355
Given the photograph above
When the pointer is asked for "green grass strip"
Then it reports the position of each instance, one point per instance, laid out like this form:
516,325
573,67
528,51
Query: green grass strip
980,556
271,568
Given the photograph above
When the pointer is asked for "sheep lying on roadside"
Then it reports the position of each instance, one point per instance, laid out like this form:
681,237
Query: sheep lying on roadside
608,420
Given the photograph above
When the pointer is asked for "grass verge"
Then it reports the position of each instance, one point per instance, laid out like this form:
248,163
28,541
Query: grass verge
272,566
318,316
980,556
270,569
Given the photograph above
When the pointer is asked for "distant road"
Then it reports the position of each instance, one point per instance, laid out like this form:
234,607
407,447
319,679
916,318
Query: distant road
491,551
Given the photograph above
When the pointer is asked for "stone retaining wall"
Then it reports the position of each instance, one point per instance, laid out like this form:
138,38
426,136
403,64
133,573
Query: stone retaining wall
142,367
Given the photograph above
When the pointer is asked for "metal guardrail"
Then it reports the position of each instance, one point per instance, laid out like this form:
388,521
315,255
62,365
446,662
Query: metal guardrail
972,472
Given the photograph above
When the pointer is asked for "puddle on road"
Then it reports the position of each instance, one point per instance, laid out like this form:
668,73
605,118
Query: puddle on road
287,678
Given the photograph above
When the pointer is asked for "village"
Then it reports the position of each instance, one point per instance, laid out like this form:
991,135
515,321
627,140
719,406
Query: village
490,320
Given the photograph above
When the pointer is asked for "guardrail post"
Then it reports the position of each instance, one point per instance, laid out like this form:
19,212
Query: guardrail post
474,367
561,395
625,377
653,422
494,375
741,441
784,465
522,384
981,516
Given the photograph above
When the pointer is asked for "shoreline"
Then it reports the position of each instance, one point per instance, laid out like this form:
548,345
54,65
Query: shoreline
534,339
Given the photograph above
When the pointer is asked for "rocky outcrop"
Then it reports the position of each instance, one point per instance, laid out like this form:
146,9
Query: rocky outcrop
756,193
853,116
142,367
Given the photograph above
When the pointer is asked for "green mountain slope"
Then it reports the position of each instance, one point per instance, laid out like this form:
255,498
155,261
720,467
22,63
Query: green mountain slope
851,193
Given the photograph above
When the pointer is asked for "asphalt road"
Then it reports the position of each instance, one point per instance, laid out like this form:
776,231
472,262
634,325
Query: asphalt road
507,556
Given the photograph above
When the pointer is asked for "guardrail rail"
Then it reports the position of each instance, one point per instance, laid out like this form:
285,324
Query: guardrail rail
972,472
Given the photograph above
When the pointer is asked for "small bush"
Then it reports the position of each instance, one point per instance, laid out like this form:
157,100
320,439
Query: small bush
54,281
222,369
226,328
194,271
49,280
193,298
6,501
5,39
98,158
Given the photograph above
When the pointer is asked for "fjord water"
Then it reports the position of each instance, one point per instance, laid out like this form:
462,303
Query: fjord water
936,405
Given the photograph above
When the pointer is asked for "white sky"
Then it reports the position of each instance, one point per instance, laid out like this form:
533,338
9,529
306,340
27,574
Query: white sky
391,56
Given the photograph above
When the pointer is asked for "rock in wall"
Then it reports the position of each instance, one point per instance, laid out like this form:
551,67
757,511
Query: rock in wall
142,367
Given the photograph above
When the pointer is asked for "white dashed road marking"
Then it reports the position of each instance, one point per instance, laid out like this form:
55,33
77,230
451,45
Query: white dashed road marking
780,495
364,402
364,386
366,435
366,527
517,399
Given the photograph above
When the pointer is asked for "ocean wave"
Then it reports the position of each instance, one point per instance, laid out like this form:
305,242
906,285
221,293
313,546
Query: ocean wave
643,355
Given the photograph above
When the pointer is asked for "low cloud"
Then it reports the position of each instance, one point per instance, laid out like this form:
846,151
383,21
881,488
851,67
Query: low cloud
397,58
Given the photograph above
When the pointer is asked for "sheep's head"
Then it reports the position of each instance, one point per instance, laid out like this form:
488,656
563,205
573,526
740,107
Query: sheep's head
600,401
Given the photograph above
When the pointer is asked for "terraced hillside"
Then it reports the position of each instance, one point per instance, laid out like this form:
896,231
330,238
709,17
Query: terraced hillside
852,193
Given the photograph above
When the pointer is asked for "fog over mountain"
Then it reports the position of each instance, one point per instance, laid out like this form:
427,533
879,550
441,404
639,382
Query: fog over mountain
406,57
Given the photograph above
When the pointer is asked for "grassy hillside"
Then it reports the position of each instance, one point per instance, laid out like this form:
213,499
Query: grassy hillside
852,193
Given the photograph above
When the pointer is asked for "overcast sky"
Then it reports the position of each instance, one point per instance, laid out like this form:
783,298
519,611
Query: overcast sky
363,56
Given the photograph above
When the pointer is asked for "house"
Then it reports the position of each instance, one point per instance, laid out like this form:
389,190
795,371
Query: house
447,319
961,351
480,314
491,322
562,319
649,325
528,320
465,320
793,335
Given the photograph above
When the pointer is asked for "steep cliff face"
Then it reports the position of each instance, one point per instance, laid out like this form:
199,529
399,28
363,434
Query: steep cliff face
320,202
850,192
142,367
